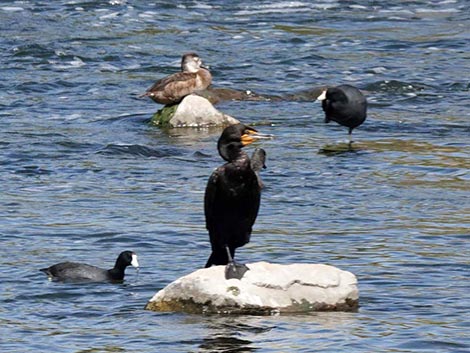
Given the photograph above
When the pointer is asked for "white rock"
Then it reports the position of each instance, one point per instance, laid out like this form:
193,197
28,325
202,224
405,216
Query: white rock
196,111
265,289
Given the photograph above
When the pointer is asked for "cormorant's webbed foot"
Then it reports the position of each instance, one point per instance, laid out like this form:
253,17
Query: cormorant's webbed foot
233,269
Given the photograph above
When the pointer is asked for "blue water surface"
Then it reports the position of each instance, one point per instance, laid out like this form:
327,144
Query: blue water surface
84,177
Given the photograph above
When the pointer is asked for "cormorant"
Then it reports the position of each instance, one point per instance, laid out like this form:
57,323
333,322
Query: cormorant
232,199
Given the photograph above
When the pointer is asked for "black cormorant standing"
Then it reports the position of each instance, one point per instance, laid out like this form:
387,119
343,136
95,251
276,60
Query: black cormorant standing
232,199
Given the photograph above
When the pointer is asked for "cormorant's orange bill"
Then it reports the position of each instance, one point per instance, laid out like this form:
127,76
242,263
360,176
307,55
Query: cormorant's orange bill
250,135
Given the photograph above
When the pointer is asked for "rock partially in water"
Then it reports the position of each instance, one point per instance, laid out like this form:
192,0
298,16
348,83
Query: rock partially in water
216,95
339,148
192,111
264,290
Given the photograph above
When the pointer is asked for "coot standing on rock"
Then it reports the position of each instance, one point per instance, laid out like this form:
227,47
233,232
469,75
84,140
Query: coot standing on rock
172,89
344,104
74,271
232,199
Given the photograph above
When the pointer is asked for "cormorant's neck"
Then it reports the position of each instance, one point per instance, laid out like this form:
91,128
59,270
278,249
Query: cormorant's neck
235,156
232,151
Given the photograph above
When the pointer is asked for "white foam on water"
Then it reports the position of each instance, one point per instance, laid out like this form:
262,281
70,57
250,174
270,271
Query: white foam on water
360,7
73,64
444,11
148,14
12,8
109,67
66,117
285,7
110,15
200,5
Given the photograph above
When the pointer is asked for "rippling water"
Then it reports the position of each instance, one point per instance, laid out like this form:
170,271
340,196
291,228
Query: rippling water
84,177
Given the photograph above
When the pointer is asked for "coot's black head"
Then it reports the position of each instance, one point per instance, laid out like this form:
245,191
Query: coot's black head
233,139
126,258
333,96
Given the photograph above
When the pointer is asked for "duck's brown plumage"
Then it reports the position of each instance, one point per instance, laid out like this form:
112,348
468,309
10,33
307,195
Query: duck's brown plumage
172,89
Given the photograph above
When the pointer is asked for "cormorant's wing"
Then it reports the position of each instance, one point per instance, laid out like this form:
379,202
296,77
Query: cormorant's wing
210,197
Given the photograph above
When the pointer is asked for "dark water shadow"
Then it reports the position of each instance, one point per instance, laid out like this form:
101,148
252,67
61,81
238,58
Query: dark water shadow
226,344
340,148
216,95
229,334
241,333
138,150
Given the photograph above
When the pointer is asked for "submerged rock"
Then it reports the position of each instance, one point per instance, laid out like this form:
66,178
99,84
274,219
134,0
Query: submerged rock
216,95
192,111
265,289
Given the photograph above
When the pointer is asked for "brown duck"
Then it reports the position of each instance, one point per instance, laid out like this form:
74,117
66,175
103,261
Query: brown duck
172,89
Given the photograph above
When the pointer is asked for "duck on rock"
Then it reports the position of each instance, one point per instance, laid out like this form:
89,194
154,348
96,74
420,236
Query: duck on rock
172,89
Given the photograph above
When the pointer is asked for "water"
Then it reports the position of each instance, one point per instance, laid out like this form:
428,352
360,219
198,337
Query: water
84,177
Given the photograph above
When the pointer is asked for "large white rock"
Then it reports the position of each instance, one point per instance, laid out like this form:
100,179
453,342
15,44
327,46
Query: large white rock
265,289
196,111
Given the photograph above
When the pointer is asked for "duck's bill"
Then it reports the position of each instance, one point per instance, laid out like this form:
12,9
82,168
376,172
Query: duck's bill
134,262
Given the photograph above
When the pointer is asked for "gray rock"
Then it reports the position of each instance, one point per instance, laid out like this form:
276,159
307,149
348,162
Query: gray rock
196,111
265,289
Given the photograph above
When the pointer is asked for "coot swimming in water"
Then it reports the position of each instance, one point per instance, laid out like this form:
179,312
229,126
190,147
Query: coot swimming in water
74,271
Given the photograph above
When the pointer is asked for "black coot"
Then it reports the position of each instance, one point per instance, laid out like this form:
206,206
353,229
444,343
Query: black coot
74,271
344,104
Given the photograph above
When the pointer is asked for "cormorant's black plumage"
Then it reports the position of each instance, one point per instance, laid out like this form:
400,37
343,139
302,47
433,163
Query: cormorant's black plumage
232,197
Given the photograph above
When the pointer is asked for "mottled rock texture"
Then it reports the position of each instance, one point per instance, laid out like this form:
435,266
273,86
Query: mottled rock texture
265,289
